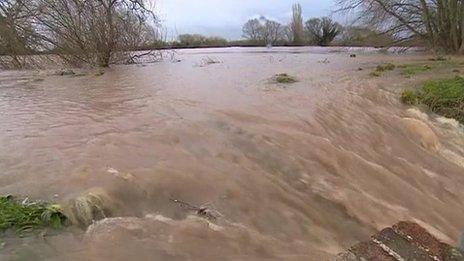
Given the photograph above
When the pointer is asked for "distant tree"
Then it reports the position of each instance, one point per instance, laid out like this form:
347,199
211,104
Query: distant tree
364,36
273,32
296,25
322,31
252,30
198,40
263,31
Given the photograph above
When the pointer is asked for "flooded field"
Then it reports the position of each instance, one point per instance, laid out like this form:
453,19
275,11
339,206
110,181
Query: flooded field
296,171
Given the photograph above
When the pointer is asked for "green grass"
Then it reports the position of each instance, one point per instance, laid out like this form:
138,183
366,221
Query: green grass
410,70
444,97
24,216
285,78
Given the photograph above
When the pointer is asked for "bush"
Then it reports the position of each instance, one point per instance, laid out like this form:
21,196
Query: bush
444,97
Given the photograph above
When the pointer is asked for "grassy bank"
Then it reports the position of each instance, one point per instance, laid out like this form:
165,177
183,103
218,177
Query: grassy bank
23,216
444,97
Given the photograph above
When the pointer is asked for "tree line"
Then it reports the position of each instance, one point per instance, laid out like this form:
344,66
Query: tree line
315,31
102,32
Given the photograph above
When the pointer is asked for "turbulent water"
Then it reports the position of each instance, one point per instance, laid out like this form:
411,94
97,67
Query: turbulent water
290,172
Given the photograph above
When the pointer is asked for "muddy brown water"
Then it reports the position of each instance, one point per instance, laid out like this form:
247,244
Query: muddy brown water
293,172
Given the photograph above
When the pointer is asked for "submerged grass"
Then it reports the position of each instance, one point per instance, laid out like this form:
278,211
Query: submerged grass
285,78
382,68
24,216
444,97
410,70
385,67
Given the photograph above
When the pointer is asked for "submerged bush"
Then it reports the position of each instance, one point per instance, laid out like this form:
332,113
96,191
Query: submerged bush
26,216
444,97
285,78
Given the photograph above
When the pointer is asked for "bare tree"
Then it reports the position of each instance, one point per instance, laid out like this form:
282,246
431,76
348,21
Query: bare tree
252,30
296,24
364,36
322,31
17,36
439,23
263,31
93,32
273,32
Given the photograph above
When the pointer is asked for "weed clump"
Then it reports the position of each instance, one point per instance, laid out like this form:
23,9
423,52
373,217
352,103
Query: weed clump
409,97
25,216
444,97
285,78
438,59
385,67
411,70
382,68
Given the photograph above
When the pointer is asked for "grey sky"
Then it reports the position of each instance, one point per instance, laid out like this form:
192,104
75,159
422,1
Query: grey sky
226,17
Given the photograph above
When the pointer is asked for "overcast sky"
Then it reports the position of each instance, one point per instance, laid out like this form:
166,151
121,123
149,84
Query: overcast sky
226,17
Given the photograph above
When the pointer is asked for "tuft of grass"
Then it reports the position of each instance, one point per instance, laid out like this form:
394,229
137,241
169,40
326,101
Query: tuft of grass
385,67
409,97
438,59
382,68
285,78
444,97
25,216
410,70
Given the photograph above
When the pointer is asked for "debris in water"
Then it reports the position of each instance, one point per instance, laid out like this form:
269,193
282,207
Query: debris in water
201,211
116,173
65,72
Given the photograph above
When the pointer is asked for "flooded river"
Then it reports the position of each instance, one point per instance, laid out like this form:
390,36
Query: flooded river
287,172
